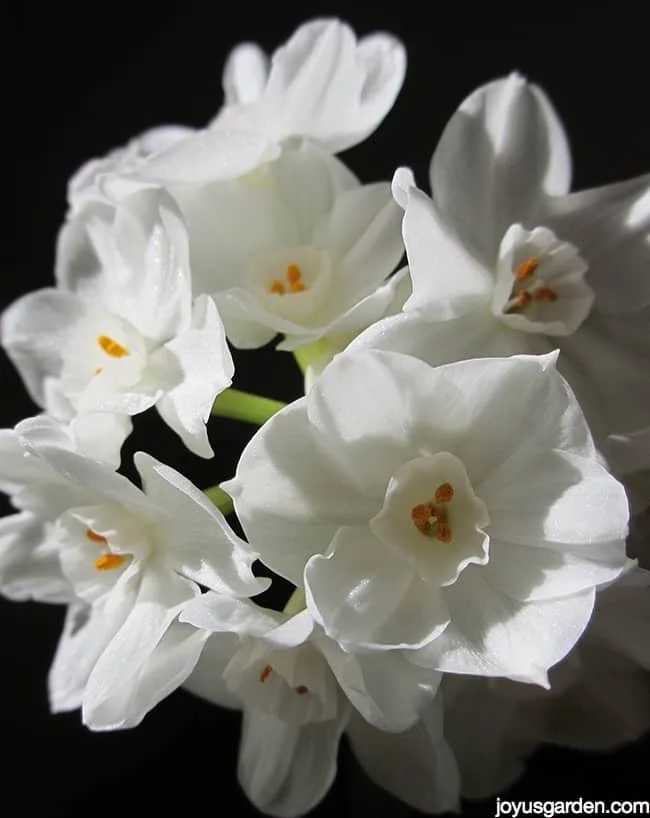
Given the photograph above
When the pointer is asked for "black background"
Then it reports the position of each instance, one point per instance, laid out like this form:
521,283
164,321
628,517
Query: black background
85,77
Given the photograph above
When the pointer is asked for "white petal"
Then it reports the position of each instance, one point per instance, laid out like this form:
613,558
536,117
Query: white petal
611,226
362,236
325,86
382,686
112,698
208,156
86,633
193,536
218,613
360,593
100,435
499,154
29,561
447,280
286,768
492,635
415,766
546,497
291,505
34,332
205,368
245,74
206,680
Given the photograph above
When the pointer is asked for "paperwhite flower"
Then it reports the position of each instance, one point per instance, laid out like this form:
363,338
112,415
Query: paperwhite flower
298,247
505,260
460,512
292,681
123,335
126,560
322,84
598,699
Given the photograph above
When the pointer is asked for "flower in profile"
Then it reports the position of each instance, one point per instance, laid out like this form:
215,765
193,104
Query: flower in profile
123,334
460,513
322,84
296,687
505,260
125,560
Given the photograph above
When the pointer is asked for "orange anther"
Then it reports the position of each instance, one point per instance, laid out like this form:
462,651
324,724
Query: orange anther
301,690
526,269
277,287
266,672
545,294
294,274
297,287
93,536
109,561
421,515
523,299
444,493
111,346
443,533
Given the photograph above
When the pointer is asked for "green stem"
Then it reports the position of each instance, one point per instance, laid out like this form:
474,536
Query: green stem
221,500
296,602
244,406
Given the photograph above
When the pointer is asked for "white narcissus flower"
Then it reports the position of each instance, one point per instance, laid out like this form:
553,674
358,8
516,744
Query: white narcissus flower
125,334
298,247
598,699
505,260
126,560
295,686
322,84
461,513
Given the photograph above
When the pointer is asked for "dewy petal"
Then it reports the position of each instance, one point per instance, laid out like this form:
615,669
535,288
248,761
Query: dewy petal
365,595
499,154
206,368
492,635
415,766
29,561
192,535
245,74
382,686
286,768
291,505
34,331
447,280
611,226
107,703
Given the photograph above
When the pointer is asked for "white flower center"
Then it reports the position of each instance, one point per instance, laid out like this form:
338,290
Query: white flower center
104,354
540,283
432,516
293,283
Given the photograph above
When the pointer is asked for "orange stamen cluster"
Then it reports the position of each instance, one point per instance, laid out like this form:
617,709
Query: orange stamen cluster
293,282
432,519
522,298
111,346
107,561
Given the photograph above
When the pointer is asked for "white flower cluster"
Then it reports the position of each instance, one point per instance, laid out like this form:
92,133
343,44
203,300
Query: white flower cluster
443,496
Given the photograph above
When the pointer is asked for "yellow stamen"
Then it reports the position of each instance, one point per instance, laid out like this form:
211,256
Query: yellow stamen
93,536
277,287
294,274
527,269
297,287
111,346
109,561
294,282
421,516
266,672
301,690
444,493
546,294
443,532
523,299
